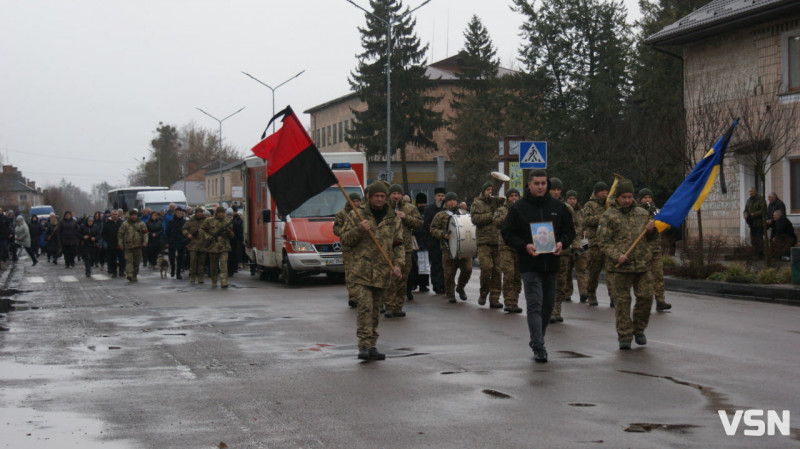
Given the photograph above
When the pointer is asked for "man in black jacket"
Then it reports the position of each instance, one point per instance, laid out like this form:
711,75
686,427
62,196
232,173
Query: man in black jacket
434,251
539,271
113,253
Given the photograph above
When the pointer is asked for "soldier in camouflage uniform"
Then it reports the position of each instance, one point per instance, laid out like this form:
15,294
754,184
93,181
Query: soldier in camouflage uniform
370,274
411,220
592,211
347,252
509,260
564,285
657,266
580,256
488,236
439,231
754,211
621,226
218,232
132,237
196,246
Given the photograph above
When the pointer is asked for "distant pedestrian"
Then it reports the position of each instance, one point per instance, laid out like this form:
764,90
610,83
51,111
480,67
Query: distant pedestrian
132,238
155,242
36,234
52,244
115,256
22,238
754,211
176,243
783,235
89,233
68,235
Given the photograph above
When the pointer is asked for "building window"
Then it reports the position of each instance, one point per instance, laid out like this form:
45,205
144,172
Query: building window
793,59
316,137
328,138
222,188
341,134
794,177
334,134
23,197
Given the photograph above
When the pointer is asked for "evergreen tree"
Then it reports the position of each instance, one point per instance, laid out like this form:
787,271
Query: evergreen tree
476,113
163,169
412,119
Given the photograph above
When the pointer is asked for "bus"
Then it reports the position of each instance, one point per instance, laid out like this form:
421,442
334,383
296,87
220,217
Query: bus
125,197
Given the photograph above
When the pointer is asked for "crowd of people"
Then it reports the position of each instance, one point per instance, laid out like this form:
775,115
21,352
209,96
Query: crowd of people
194,240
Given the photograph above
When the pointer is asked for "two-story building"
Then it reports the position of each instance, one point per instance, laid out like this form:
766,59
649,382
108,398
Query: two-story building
17,192
741,58
224,184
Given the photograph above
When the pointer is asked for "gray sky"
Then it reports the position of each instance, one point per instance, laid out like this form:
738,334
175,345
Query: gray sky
85,82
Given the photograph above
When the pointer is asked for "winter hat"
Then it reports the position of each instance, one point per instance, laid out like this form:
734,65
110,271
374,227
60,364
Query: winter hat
439,190
396,188
510,191
133,211
377,187
572,193
599,187
229,211
355,196
556,183
450,196
486,185
624,186
644,192
421,198
219,209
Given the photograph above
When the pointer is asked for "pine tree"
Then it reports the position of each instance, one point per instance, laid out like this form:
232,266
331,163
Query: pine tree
412,119
476,113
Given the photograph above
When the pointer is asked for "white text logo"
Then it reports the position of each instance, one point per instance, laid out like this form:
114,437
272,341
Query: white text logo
754,422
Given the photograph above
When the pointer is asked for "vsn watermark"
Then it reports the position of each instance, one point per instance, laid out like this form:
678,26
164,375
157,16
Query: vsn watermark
756,423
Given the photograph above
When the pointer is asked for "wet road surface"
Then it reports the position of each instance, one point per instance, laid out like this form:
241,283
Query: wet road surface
97,362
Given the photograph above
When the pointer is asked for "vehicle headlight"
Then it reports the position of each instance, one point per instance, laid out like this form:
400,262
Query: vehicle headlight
302,247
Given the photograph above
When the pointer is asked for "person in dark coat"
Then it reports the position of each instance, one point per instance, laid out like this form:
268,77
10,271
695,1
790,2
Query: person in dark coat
89,233
100,256
155,242
774,203
237,242
6,235
434,249
422,266
783,235
52,245
68,235
115,257
35,228
176,243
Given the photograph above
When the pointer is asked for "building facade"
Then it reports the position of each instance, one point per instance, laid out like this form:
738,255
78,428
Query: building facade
741,59
224,184
18,193
193,186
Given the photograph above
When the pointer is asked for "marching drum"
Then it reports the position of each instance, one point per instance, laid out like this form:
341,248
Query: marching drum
462,243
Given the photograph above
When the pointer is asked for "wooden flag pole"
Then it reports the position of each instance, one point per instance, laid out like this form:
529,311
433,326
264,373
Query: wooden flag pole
374,240
634,245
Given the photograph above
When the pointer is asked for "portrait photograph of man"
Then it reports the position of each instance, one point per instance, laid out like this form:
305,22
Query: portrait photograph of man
544,240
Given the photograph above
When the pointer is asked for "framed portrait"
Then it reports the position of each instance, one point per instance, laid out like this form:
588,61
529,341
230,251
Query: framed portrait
544,240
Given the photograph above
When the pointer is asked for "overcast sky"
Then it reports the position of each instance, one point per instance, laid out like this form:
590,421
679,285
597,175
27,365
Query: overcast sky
84,83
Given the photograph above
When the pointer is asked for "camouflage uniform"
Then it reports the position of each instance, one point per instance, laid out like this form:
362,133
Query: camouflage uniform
450,265
657,264
620,228
580,259
756,208
509,265
397,295
218,232
132,236
488,236
592,211
197,248
567,258
347,252
370,274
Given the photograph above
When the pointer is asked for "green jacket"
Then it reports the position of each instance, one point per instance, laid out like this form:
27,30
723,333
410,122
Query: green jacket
482,215
577,221
412,221
655,245
500,220
218,232
196,243
620,227
755,207
369,267
132,235
592,211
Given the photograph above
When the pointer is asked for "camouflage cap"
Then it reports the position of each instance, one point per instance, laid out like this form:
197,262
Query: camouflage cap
133,211
219,209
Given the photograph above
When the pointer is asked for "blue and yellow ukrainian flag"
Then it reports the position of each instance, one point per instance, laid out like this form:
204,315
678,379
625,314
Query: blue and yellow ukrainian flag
696,187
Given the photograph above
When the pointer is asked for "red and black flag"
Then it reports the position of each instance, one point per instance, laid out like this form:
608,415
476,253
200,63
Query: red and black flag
296,171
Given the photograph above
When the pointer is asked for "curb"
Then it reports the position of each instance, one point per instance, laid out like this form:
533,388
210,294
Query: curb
754,292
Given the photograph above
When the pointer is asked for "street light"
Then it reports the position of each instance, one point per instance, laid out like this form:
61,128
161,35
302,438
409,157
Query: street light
273,89
220,143
389,21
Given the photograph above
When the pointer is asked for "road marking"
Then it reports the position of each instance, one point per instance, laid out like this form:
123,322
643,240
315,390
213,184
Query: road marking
36,280
68,279
100,277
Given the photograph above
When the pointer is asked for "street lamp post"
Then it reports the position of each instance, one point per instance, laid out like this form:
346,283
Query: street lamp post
389,21
220,143
273,89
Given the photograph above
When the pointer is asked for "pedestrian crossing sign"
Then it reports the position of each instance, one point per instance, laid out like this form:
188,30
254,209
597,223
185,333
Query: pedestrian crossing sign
533,154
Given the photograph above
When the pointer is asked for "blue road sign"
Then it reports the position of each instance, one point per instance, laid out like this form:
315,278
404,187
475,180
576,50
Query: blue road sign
533,154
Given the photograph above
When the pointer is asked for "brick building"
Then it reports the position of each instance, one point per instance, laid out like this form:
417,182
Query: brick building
18,193
224,183
739,54
330,122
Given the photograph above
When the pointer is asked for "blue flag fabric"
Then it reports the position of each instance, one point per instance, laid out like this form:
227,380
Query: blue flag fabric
696,187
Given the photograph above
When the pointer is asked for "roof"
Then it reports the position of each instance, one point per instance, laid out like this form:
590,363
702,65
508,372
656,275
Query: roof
227,167
13,185
444,70
719,16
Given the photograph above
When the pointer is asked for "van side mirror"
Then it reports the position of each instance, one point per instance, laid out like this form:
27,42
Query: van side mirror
266,216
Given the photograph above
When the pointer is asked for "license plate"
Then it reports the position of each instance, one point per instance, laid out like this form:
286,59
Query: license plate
336,261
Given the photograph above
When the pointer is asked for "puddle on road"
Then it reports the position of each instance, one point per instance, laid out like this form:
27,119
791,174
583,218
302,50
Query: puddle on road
497,394
10,305
642,427
465,371
716,401
574,355
582,404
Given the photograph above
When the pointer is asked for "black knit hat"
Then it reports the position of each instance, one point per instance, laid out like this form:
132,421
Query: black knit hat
421,198
439,190
556,183
510,191
599,187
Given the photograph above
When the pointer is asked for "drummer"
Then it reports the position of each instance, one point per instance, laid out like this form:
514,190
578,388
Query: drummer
439,230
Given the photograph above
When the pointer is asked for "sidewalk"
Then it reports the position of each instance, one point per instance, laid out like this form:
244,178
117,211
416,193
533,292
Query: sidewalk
785,293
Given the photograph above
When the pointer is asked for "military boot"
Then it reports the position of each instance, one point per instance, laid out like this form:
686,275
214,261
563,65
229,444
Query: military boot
363,353
661,306
373,354
584,298
461,293
593,300
482,299
625,344
640,339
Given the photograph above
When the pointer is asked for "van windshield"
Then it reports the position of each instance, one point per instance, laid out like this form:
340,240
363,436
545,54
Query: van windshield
325,203
159,207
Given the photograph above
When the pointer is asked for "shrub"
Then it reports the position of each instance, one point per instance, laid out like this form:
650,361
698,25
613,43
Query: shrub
785,276
767,276
742,278
718,276
736,270
669,261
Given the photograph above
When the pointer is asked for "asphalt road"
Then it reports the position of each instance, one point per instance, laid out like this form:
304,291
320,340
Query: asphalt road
96,362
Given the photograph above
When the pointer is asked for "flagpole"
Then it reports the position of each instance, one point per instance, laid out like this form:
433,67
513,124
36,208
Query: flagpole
374,240
634,244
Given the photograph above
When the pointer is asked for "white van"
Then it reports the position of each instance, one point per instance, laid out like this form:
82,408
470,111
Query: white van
158,200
